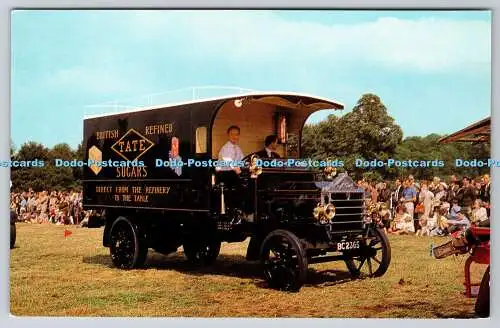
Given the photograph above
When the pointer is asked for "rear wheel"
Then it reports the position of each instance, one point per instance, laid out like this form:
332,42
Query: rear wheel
128,246
284,261
373,257
482,307
202,251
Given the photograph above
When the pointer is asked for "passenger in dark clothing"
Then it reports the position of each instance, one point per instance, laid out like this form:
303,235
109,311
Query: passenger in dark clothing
385,193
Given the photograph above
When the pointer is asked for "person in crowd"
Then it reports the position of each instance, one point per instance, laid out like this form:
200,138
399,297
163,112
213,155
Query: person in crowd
396,196
44,202
455,208
403,222
453,188
384,193
384,196
14,204
77,206
429,227
440,221
409,197
398,192
466,196
479,213
441,198
414,184
460,223
484,195
435,184
425,200
441,194
485,189
24,203
478,187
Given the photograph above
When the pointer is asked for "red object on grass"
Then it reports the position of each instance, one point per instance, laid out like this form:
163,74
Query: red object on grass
67,233
480,254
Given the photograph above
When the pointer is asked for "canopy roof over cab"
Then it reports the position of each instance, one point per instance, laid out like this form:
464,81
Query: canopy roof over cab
277,98
477,132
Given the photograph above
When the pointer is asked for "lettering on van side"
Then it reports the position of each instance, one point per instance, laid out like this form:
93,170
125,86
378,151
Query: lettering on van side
108,134
163,128
133,193
132,172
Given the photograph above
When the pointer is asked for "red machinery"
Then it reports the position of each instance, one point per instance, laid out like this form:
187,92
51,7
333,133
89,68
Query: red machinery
479,253
476,242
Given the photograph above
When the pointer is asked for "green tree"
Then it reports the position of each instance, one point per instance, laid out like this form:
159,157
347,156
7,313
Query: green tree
60,177
24,178
79,155
61,151
368,132
48,177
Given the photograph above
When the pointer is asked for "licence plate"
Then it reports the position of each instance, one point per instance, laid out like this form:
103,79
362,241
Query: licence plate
347,245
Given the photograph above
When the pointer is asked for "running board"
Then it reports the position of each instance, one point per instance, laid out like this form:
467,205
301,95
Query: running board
322,259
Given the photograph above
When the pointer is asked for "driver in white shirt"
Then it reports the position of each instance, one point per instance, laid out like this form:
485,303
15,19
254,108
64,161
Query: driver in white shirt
231,151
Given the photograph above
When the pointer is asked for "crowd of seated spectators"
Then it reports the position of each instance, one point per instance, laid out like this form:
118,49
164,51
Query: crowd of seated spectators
430,208
56,207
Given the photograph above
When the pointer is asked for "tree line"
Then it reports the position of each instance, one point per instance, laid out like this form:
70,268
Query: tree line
48,177
367,132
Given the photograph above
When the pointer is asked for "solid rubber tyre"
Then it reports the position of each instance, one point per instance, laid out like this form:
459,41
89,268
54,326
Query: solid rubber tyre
127,244
369,251
288,270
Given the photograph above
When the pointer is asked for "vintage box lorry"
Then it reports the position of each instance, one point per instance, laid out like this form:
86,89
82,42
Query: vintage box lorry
298,214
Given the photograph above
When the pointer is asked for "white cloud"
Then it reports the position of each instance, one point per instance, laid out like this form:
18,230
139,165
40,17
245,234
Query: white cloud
306,55
425,44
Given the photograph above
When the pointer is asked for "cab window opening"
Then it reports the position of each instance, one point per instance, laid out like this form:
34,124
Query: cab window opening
201,140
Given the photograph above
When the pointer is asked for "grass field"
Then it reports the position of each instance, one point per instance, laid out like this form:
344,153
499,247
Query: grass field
51,275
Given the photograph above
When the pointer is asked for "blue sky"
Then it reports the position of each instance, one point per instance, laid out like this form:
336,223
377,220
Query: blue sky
432,69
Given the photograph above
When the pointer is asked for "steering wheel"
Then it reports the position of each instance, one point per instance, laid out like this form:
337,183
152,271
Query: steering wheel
247,157
245,171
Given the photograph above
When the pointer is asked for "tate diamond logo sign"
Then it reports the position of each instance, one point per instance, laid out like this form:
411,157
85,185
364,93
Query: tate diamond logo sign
132,145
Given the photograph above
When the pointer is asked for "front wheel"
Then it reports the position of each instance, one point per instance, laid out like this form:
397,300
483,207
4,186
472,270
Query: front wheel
128,246
284,261
373,257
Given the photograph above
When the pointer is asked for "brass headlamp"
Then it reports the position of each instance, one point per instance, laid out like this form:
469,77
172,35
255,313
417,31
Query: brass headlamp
324,213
